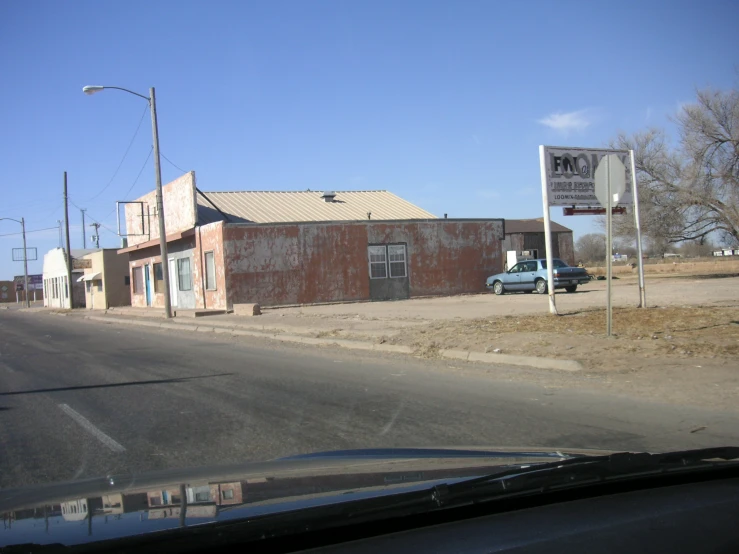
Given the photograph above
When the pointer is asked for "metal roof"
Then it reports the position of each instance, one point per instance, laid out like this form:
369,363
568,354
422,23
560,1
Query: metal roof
514,226
297,206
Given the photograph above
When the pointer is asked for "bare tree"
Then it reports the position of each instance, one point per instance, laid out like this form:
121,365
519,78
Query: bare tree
688,192
591,248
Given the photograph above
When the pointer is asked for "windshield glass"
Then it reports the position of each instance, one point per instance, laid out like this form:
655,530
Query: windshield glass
237,232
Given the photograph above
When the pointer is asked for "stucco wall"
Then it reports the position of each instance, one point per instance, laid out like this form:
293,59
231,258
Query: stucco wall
210,239
183,248
115,271
323,262
180,210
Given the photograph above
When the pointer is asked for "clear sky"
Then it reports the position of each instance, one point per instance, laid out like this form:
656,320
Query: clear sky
443,103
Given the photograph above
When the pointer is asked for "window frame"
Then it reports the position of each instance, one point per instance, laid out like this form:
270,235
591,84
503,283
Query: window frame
137,288
181,274
208,284
390,262
158,283
370,253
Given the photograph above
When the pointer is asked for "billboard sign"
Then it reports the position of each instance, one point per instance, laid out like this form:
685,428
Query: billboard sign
570,175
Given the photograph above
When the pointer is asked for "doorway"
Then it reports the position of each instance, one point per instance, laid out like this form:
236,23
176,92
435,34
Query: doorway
147,284
172,282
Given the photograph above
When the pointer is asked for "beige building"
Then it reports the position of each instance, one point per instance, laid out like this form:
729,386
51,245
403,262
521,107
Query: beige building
106,279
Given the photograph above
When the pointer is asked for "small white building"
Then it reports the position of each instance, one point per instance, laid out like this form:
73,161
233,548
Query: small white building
56,286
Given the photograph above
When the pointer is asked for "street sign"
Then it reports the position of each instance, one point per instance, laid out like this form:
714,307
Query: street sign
612,169
30,252
569,173
592,211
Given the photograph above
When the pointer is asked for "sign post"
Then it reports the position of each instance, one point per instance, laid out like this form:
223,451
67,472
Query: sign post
637,224
610,185
547,229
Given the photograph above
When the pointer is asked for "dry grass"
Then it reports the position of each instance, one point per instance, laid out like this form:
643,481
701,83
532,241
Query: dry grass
652,333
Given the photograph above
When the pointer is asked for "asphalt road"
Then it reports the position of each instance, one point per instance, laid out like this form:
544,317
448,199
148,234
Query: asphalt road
80,399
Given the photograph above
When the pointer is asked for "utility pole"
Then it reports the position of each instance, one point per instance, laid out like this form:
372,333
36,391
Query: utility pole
25,263
84,237
70,291
59,224
160,205
96,238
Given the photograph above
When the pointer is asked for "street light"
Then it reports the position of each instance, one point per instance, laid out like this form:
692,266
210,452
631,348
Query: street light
151,99
25,257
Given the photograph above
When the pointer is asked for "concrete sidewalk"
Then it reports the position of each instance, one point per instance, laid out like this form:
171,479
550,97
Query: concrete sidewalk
277,326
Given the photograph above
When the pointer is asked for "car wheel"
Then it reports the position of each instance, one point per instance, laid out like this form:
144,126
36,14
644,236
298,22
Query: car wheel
541,286
572,288
498,288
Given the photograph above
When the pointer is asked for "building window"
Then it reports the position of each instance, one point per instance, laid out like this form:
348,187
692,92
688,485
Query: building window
127,280
138,280
377,262
396,255
185,277
158,278
210,271
228,494
202,496
386,257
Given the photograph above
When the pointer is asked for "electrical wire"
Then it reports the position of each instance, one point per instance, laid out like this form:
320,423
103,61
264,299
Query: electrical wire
137,176
117,169
171,162
28,232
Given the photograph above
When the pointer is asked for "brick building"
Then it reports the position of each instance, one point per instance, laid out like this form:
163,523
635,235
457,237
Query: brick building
528,234
283,248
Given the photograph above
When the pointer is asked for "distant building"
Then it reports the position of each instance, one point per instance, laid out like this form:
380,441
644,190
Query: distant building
107,282
303,247
56,287
528,234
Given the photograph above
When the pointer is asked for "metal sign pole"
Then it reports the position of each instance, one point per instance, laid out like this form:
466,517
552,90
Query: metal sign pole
609,239
637,223
25,262
547,231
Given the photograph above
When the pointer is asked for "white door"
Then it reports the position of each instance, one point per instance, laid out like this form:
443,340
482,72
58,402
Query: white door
172,282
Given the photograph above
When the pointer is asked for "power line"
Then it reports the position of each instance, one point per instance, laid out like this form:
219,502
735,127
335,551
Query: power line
139,175
28,232
171,162
123,158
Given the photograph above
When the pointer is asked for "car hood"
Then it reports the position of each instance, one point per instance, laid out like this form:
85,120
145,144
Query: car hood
117,506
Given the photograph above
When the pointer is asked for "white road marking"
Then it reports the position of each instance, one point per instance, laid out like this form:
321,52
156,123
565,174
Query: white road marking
90,428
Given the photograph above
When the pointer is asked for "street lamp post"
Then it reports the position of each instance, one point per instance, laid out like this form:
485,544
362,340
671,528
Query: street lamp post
151,99
25,257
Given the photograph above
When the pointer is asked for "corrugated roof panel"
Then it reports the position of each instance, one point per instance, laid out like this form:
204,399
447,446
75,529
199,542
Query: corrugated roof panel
289,206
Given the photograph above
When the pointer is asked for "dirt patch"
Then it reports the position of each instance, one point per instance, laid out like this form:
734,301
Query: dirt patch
669,332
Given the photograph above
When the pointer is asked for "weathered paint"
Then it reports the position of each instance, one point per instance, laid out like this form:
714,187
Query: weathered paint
209,238
180,211
177,249
323,262
566,248
562,244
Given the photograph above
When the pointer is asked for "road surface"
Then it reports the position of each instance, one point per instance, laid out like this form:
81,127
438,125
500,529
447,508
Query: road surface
80,399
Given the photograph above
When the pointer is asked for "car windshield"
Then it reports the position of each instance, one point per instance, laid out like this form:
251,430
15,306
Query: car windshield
556,264
236,232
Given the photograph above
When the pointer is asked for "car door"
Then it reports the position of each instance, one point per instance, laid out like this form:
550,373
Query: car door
512,279
528,275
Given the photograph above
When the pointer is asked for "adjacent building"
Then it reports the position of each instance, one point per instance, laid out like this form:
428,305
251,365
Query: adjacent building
306,247
106,279
528,235
55,283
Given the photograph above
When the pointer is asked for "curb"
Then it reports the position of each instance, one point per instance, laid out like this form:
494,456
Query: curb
465,355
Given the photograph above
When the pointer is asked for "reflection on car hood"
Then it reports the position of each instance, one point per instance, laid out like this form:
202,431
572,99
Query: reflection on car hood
122,505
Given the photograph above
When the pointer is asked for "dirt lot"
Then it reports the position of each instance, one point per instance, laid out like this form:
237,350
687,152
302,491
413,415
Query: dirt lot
693,319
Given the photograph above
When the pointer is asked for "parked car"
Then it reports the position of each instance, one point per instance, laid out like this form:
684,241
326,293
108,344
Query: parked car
531,275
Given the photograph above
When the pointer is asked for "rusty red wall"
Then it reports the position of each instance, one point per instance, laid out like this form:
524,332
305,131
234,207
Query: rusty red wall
446,256
323,262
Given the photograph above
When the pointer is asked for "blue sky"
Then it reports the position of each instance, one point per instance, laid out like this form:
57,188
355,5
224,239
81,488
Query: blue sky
442,103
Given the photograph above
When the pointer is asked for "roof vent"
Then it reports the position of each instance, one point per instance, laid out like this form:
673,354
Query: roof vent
328,196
